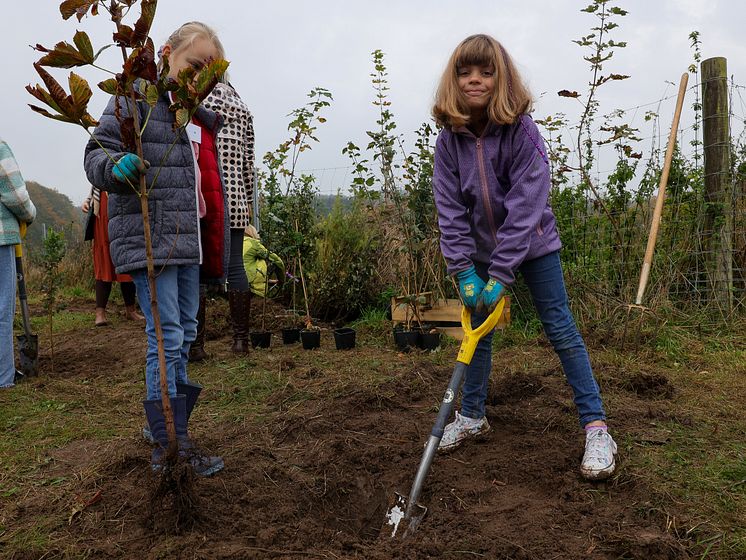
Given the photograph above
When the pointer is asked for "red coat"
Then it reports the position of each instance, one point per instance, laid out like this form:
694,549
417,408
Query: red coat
213,225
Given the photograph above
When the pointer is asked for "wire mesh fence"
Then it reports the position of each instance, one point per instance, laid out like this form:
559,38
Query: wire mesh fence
699,269
698,273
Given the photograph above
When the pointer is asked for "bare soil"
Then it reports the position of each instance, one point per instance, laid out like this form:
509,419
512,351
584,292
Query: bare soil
312,475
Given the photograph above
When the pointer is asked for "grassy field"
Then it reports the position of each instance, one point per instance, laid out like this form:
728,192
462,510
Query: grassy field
677,416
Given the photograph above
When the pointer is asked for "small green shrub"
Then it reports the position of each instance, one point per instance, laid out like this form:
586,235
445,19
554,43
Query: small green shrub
344,280
54,252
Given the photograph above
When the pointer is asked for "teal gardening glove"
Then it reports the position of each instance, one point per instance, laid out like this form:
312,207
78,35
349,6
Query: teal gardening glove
129,168
489,297
470,285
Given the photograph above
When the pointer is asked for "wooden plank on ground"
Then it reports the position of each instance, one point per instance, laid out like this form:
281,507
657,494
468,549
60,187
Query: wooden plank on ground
444,315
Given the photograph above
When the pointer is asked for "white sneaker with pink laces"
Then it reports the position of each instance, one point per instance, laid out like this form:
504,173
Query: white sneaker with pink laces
460,429
598,461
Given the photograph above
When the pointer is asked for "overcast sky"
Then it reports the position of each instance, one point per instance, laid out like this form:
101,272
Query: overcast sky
279,50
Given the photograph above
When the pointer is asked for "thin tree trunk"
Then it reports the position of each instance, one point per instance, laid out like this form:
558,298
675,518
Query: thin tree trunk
163,375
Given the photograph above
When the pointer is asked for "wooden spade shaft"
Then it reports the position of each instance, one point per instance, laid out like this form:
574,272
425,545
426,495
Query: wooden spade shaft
653,237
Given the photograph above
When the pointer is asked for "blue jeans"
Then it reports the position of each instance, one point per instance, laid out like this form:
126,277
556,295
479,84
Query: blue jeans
7,313
546,284
178,302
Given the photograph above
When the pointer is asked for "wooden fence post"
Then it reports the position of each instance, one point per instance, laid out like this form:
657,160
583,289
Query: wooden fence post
718,230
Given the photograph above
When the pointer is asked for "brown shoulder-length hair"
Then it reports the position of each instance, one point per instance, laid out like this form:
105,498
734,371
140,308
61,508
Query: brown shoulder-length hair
510,99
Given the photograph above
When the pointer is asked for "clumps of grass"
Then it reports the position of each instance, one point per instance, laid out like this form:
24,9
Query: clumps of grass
374,323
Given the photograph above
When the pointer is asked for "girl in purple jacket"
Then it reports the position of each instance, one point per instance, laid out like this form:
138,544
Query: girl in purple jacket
491,183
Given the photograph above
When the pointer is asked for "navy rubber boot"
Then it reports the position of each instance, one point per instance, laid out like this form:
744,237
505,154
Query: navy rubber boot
157,423
191,391
203,465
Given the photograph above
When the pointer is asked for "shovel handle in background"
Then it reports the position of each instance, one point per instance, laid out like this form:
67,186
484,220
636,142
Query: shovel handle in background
408,506
21,279
653,237
28,343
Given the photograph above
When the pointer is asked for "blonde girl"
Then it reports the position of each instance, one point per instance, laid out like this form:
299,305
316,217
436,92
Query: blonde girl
188,230
491,184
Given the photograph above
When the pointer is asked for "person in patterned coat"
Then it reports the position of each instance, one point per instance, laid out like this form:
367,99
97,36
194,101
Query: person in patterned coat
235,145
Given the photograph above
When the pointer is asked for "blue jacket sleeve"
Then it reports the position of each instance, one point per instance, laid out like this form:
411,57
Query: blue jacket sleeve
524,203
456,241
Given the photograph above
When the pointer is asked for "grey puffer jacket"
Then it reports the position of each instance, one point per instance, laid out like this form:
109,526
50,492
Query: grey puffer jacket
172,202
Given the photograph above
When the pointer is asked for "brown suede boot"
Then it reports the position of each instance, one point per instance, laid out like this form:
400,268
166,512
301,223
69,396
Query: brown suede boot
197,351
240,304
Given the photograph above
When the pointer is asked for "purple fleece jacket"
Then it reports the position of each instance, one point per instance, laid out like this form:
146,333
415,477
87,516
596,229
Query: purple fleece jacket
492,196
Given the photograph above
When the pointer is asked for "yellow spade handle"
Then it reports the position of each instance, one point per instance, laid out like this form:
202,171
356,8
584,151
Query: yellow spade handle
22,229
473,336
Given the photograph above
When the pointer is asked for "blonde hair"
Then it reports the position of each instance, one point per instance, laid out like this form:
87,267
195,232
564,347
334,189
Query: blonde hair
185,36
510,99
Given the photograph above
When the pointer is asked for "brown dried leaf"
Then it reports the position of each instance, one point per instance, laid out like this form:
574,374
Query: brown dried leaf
78,8
123,36
71,108
127,130
567,93
88,121
143,24
141,64
56,91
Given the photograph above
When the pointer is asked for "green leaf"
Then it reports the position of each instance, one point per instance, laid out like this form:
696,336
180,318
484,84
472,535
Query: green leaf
80,92
83,42
209,76
109,86
64,55
182,118
152,95
49,115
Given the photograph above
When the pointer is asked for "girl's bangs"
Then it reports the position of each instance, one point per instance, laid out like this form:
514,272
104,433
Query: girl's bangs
476,51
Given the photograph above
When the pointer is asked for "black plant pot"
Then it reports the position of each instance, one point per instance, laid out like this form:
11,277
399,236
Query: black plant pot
290,335
344,338
311,338
260,339
406,340
429,340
